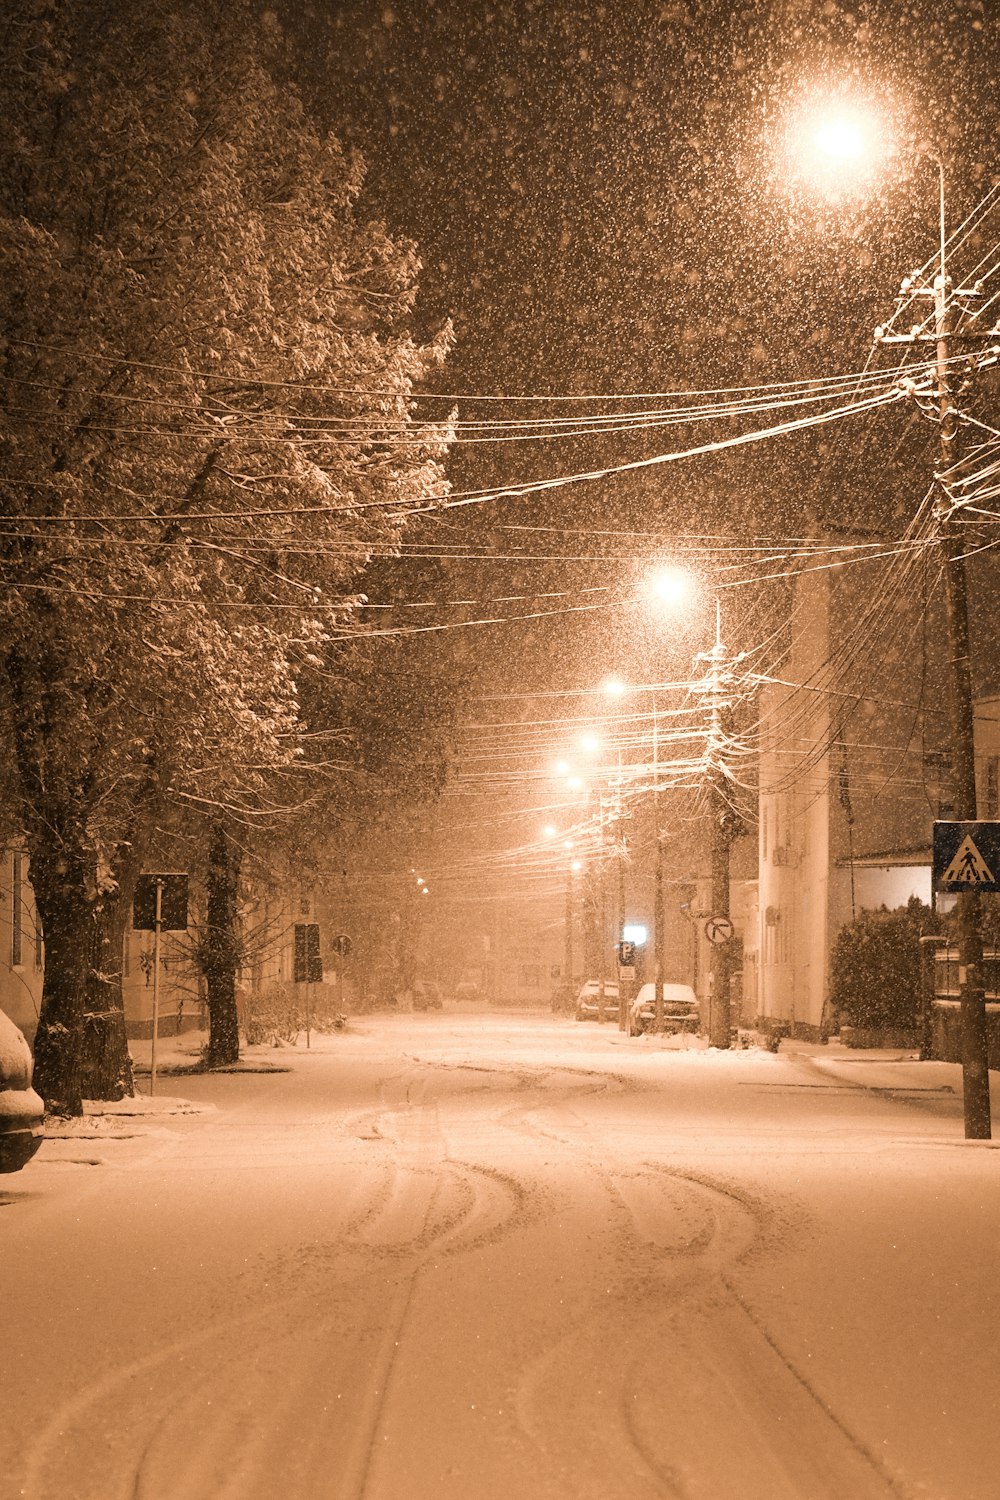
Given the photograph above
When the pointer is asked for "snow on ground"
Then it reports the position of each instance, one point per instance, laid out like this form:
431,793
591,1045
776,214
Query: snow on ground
493,1255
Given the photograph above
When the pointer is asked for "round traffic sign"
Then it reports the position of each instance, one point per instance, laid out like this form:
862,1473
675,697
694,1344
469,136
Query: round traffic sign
718,929
342,945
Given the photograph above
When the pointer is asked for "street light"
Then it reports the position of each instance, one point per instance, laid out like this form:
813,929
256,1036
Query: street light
838,143
550,831
975,1043
668,589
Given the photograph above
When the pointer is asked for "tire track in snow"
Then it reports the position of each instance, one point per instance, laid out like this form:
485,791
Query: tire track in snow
688,1364
287,1398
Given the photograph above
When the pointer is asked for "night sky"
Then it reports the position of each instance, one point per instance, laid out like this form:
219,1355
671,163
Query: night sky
603,201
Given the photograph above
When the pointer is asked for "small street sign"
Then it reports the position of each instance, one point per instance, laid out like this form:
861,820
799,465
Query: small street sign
966,857
308,966
719,930
173,903
342,944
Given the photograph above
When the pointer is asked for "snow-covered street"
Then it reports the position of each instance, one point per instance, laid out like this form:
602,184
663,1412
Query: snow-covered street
489,1255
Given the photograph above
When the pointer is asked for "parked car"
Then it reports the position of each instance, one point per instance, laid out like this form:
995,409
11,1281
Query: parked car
588,1007
467,989
680,1009
21,1110
427,995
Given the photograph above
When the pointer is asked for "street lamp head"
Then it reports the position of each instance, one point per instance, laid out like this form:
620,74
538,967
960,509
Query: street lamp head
841,138
614,687
670,587
838,144
590,743
549,831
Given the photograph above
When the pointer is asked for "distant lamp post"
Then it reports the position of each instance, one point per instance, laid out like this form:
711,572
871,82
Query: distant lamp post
667,590
615,688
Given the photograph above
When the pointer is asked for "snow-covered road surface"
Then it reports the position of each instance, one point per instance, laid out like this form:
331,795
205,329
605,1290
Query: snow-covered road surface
474,1256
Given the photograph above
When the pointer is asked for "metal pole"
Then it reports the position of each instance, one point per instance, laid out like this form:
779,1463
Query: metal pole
602,912
658,934
569,936
157,925
624,985
975,1045
720,811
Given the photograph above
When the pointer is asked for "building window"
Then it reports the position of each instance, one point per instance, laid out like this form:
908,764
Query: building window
16,913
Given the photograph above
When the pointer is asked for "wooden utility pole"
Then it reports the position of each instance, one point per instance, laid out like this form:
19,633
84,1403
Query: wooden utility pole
975,1051
725,824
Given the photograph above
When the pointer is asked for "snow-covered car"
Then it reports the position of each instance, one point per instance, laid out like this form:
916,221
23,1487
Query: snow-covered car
588,1004
427,995
680,1009
21,1110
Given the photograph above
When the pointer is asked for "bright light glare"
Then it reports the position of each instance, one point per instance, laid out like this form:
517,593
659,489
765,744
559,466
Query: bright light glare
562,768
575,784
634,932
838,144
615,688
549,831
576,865
590,743
842,139
670,587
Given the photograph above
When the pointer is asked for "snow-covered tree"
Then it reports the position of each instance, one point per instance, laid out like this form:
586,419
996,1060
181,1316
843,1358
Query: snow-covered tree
207,430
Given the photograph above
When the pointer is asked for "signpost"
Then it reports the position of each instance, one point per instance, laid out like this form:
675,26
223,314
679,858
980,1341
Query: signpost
159,904
342,946
967,864
307,966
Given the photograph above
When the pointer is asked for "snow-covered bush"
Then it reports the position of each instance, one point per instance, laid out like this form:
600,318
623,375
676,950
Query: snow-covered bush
875,968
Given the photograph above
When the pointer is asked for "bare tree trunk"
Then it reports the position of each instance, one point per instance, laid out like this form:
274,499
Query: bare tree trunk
58,878
220,947
106,1068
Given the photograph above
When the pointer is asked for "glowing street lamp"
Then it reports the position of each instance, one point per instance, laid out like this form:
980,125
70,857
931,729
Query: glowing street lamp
852,142
669,587
838,144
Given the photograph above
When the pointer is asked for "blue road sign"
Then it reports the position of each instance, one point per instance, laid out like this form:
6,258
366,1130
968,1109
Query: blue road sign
966,857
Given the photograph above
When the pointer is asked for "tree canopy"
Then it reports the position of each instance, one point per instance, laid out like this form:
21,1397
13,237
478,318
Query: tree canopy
208,431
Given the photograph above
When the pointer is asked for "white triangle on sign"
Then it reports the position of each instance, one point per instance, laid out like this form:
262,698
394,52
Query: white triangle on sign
968,867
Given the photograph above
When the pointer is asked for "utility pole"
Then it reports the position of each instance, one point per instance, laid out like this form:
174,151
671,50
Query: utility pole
602,913
726,826
568,960
658,933
975,1053
624,985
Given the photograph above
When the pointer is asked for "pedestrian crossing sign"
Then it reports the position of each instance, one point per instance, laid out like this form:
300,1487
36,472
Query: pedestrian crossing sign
966,857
